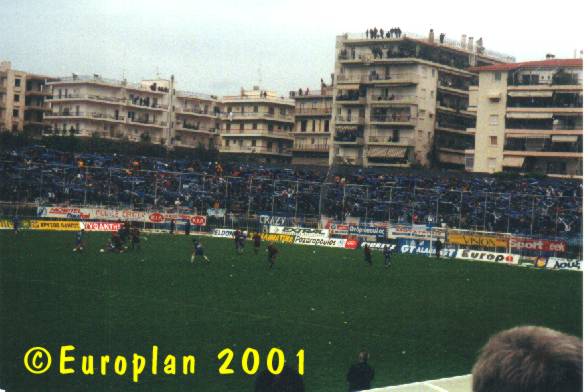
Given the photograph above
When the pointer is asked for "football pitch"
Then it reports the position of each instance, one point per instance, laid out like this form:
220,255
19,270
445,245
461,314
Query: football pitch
420,319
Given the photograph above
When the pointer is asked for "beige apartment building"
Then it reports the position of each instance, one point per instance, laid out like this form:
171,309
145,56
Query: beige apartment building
257,123
529,118
149,111
23,100
401,100
312,130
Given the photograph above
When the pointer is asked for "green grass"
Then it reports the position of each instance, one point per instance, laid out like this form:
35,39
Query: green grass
420,319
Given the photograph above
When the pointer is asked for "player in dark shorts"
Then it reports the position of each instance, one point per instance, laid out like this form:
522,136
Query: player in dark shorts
438,248
387,255
15,224
237,237
256,242
116,244
272,253
79,241
198,251
367,254
135,238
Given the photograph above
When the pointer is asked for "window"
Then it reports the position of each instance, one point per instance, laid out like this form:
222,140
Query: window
255,109
270,127
227,143
254,142
326,126
16,98
493,140
303,126
230,109
15,113
242,126
240,142
16,82
313,125
254,125
494,119
497,76
269,145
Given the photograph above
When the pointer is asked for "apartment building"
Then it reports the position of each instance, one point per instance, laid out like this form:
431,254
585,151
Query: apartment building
312,130
23,100
92,106
197,119
401,100
529,118
257,123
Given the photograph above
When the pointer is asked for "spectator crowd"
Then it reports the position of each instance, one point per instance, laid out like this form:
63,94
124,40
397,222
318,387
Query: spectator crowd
519,205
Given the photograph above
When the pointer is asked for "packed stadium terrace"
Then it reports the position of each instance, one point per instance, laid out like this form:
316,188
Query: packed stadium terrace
540,207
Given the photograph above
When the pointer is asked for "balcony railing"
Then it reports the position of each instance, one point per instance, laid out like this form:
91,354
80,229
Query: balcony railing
311,147
391,140
350,119
392,118
96,115
255,150
409,77
393,98
313,111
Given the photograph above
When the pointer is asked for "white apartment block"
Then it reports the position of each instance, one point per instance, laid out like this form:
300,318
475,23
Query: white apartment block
150,111
529,118
402,100
257,124
312,130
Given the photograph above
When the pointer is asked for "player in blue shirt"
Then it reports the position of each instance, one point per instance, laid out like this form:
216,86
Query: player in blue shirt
387,255
198,251
79,241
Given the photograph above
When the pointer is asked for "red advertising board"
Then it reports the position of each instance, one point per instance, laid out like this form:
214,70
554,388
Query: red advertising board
538,245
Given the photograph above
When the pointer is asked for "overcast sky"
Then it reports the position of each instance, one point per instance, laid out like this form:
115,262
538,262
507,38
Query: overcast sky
218,46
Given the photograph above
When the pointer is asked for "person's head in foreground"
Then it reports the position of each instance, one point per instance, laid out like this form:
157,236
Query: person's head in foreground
529,359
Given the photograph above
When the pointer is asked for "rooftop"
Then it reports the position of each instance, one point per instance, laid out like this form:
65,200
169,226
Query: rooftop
549,63
461,46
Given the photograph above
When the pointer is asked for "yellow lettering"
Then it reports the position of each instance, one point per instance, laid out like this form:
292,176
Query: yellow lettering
169,365
138,366
103,362
88,364
189,364
63,359
120,365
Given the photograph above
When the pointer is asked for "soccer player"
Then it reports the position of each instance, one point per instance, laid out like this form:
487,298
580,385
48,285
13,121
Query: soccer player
79,241
256,242
438,248
115,244
387,255
242,239
272,253
198,251
135,238
237,237
367,254
15,223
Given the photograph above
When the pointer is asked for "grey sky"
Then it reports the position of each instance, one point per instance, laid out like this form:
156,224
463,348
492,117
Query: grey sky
217,46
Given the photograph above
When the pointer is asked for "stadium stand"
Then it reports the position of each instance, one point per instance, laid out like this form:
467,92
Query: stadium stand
519,205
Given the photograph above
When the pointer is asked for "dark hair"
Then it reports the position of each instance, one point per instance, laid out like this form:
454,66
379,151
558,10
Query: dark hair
529,359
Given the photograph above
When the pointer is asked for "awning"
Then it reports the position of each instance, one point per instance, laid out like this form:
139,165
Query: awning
513,161
530,93
493,95
564,139
529,115
352,86
387,152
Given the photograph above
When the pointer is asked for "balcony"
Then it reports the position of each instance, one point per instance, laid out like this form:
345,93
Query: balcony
96,79
376,99
89,115
257,133
196,112
307,147
193,129
350,79
147,123
390,140
394,119
462,110
39,92
395,79
313,111
285,152
350,120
